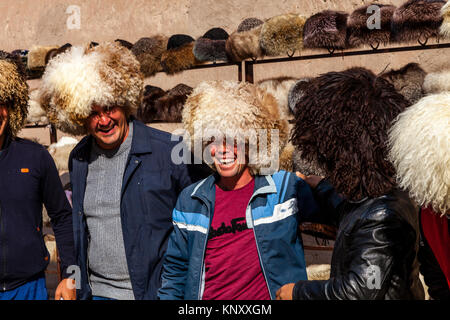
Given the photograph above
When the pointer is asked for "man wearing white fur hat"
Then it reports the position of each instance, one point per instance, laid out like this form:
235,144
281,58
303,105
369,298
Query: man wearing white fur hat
236,232
124,184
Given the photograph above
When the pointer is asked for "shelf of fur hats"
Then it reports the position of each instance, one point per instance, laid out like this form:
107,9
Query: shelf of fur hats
373,26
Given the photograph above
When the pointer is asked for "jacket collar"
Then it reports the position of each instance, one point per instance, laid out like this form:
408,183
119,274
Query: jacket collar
139,145
205,189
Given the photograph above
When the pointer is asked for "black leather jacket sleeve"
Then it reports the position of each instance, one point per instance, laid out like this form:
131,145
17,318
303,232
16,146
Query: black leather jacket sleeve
371,247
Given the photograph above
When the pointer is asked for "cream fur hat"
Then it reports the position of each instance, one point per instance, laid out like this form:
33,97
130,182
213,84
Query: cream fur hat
419,148
236,109
107,75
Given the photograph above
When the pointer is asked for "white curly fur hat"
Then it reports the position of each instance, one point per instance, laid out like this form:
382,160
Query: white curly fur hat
419,148
107,75
236,109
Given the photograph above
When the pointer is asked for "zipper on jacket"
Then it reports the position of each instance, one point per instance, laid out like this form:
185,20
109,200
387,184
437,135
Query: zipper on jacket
257,246
202,268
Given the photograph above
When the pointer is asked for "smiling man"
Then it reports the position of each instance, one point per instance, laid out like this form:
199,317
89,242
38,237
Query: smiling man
235,233
28,179
123,180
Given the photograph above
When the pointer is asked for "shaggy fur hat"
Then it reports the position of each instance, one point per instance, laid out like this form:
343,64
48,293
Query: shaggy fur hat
342,124
279,88
248,24
327,29
445,27
13,91
408,81
211,47
283,34
107,74
36,56
163,106
437,82
358,32
148,52
296,93
179,55
417,20
419,144
237,109
244,45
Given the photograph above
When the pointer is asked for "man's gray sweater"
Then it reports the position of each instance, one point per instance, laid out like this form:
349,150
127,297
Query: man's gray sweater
108,271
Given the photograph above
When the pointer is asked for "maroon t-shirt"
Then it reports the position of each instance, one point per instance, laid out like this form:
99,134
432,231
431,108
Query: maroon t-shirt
232,267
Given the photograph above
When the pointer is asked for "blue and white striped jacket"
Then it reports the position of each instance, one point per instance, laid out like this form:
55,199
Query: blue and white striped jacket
273,213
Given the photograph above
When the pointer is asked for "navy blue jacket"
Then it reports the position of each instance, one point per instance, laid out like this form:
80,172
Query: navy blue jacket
150,188
28,179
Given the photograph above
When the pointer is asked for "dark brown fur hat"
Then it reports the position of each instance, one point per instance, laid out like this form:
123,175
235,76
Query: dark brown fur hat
408,81
211,47
249,23
163,106
342,125
148,52
326,29
359,33
179,55
417,20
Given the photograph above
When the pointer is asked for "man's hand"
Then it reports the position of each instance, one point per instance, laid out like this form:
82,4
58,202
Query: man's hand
66,290
313,181
285,292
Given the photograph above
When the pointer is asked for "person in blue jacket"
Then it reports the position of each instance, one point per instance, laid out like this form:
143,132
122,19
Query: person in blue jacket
28,179
124,183
236,233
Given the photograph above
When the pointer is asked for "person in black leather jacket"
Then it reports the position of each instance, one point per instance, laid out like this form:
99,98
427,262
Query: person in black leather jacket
342,124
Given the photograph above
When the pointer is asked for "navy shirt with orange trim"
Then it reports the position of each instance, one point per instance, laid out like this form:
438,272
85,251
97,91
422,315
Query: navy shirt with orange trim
29,179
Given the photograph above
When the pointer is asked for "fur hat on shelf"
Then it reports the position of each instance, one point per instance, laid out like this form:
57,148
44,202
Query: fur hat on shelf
249,23
282,35
419,144
243,45
211,46
164,106
417,20
36,115
240,110
326,29
341,125
54,52
408,81
13,91
36,56
107,75
359,33
179,55
445,27
437,82
148,52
